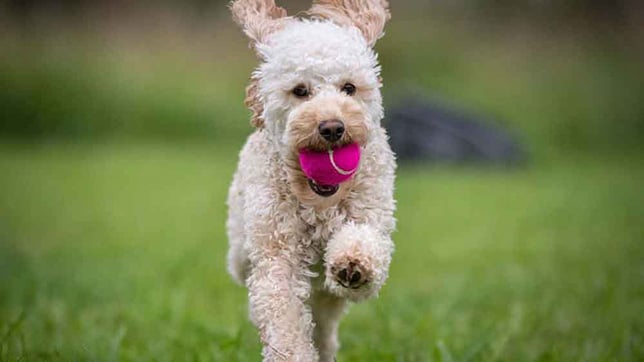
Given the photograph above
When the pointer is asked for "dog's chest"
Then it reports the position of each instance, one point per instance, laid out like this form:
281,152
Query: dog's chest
319,225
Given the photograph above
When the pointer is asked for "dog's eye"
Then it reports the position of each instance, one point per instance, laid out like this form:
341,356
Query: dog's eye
349,89
301,91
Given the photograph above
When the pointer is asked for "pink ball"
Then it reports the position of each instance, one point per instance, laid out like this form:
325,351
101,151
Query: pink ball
331,167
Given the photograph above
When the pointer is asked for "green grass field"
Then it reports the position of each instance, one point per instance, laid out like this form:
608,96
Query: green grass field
116,252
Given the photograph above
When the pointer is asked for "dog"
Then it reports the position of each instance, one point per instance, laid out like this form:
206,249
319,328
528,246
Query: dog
303,249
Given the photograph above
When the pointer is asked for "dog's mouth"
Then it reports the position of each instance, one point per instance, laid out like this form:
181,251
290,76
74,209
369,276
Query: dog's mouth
323,190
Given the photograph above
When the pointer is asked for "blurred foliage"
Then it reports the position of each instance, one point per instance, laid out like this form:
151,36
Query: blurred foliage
114,70
75,99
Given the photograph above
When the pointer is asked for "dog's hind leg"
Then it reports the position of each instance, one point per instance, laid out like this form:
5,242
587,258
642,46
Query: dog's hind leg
237,258
327,312
238,264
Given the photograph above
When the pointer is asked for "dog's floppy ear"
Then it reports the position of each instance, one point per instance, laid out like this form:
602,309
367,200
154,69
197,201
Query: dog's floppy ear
369,16
258,18
254,103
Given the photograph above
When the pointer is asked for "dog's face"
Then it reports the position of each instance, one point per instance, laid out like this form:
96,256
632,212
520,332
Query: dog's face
317,86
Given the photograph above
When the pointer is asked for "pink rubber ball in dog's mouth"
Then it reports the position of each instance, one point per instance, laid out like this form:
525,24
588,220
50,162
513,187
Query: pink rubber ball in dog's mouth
326,170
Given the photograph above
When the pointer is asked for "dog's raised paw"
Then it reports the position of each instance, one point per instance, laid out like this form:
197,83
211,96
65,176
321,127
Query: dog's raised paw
351,276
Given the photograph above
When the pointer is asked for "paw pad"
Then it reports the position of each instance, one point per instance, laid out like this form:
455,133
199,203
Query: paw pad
352,276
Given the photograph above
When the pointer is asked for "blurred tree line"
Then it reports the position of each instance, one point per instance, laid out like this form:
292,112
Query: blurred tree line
94,68
616,12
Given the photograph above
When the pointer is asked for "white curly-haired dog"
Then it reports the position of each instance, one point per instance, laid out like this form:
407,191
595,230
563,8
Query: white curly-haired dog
302,249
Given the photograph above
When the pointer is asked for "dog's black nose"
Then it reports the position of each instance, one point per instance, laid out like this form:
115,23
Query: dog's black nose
331,130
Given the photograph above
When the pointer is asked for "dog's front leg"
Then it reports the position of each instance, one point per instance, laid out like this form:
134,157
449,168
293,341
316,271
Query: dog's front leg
277,288
357,261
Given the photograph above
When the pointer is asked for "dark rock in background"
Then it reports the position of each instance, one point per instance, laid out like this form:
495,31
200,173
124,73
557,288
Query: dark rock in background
430,130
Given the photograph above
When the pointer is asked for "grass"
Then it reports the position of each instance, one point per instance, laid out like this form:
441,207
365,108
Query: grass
116,252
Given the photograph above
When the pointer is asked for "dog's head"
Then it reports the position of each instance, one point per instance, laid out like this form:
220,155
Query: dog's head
317,86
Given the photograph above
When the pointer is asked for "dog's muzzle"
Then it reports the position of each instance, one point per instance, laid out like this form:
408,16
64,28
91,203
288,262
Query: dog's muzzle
323,190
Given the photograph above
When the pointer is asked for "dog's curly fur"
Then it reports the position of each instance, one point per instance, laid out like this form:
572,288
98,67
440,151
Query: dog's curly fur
303,256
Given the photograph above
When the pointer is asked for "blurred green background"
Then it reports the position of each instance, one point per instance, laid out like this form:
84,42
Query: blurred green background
120,124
